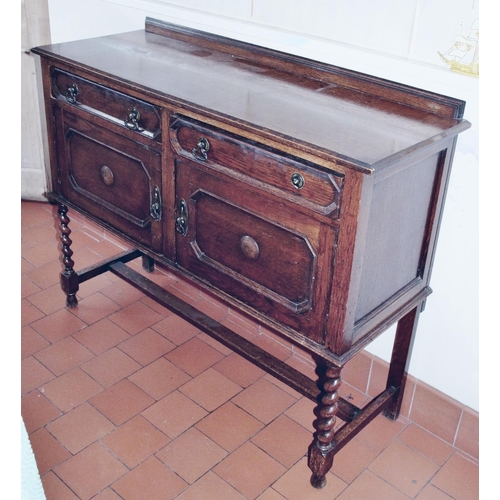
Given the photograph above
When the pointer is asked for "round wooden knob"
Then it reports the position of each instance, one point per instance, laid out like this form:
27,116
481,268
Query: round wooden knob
249,247
107,175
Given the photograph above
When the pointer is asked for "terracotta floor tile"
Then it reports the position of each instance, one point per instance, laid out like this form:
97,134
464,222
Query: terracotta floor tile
281,385
122,293
90,287
159,378
101,336
49,300
121,402
176,329
271,346
63,356
37,411
459,478
55,489
47,450
225,351
31,342
271,494
174,414
432,493
229,426
191,455
215,310
71,389
370,486
161,310
295,485
380,433
107,494
239,370
302,412
264,400
110,367
42,253
284,440
194,356
210,487
33,374
94,308
241,325
303,366
350,461
467,438
403,468
80,427
152,480
210,389
436,413
146,346
135,441
46,275
29,313
28,288
249,470
90,471
58,325
424,442
135,317
357,371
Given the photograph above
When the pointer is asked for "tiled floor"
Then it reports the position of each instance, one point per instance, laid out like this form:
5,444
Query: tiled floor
123,400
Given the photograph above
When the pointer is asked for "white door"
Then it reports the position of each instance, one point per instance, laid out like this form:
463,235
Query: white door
35,30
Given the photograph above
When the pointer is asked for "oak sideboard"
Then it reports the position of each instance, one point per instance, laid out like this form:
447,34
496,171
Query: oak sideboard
305,195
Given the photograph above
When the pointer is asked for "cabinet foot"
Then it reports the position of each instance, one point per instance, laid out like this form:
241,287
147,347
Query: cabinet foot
321,451
68,278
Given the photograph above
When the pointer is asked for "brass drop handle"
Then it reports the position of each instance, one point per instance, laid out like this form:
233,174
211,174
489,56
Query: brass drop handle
181,222
132,120
249,247
201,149
155,209
71,93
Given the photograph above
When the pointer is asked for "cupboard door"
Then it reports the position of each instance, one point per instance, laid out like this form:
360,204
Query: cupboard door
114,179
252,247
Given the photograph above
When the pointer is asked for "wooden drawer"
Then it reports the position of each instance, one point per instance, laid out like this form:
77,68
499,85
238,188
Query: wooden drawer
114,179
253,247
294,180
134,114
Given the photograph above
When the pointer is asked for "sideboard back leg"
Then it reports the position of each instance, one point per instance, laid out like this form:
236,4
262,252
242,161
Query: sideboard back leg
69,278
400,359
148,264
321,451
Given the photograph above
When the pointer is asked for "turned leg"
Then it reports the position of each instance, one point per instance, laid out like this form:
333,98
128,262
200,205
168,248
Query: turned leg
321,451
69,278
400,360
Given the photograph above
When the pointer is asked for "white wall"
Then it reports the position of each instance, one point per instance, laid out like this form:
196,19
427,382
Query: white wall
394,39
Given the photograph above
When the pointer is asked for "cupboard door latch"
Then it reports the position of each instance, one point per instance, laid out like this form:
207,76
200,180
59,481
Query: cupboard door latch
155,210
181,223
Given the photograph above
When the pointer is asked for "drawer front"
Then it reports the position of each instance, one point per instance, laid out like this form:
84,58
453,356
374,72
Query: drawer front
112,178
296,181
134,114
273,264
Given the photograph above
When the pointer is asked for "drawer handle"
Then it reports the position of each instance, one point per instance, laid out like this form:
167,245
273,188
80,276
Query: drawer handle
132,120
297,180
201,149
107,175
155,209
71,93
181,223
249,247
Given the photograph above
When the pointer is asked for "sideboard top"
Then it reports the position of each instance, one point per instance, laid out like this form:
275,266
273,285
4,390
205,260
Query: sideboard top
361,119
